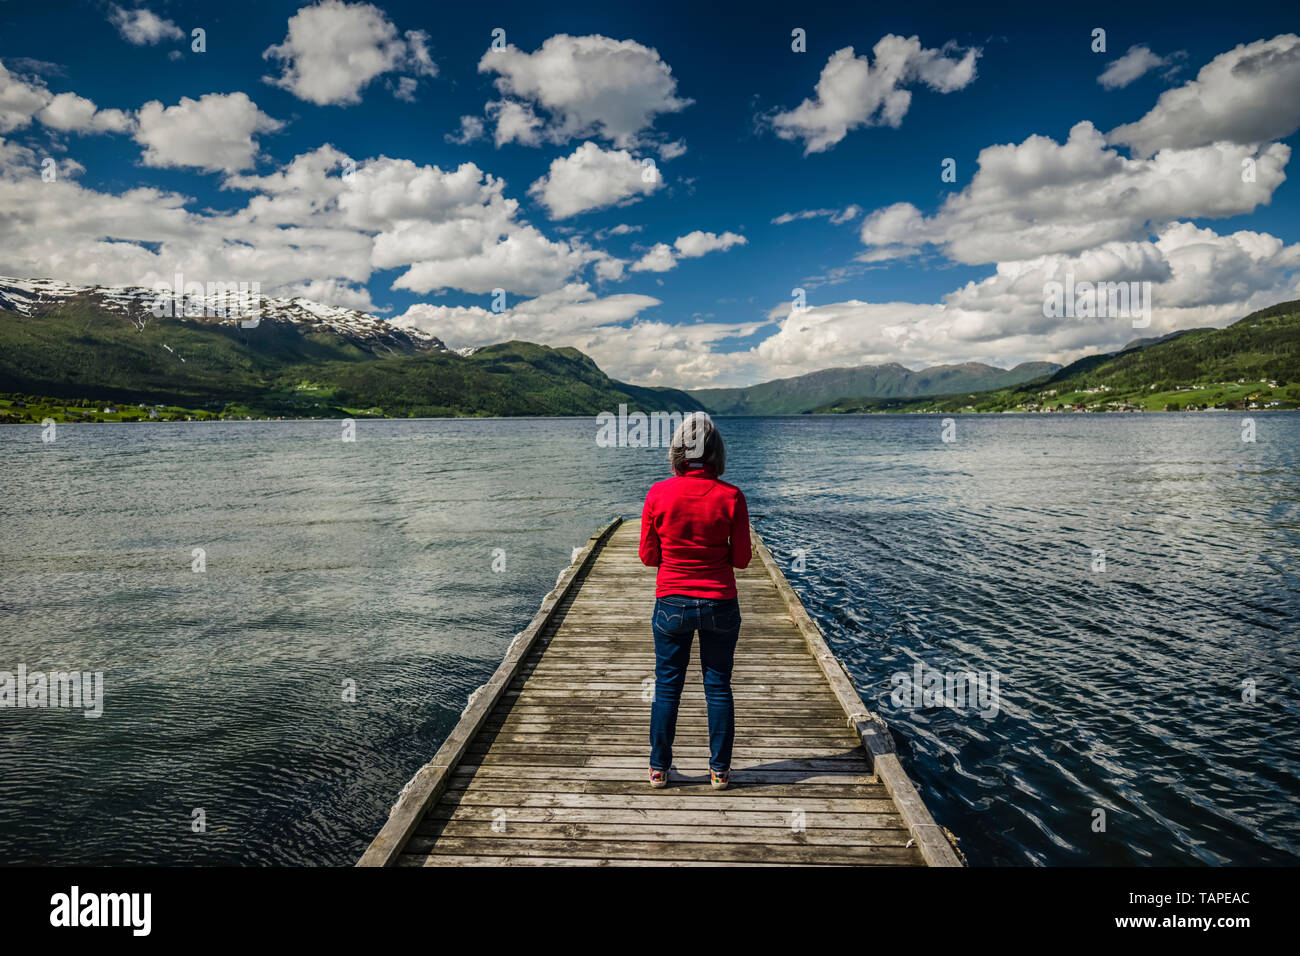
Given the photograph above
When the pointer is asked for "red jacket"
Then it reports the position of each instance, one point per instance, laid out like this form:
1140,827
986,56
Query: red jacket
695,529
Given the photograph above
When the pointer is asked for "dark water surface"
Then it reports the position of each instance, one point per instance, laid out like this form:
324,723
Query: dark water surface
1120,690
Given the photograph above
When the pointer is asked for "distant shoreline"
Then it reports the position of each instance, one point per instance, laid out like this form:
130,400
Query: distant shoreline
808,415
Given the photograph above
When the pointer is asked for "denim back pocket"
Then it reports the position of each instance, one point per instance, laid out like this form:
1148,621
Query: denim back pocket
668,618
726,616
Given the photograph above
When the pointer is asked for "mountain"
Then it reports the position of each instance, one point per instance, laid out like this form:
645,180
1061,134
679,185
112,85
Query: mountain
324,324
1142,343
791,396
1254,362
512,378
86,347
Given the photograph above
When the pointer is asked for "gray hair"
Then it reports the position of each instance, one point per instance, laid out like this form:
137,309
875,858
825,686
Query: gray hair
697,439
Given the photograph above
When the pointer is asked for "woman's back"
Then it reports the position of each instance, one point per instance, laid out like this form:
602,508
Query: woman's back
695,528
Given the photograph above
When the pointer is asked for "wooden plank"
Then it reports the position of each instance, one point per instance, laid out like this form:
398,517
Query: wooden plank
696,763
651,849
585,740
424,859
709,818
866,799
777,790
637,775
637,748
505,827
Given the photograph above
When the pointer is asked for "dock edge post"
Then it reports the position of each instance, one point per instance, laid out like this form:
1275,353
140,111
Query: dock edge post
871,728
430,781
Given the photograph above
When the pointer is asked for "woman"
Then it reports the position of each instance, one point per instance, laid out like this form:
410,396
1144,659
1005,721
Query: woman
695,529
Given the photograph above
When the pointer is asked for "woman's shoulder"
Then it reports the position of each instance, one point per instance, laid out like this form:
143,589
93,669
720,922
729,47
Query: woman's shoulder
659,487
666,485
731,488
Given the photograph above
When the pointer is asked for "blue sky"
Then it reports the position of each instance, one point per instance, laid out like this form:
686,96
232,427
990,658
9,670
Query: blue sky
322,150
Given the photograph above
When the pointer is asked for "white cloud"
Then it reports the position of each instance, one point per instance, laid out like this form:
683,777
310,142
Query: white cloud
609,268
788,217
622,229
663,257
319,226
835,216
330,292
593,178
76,114
142,26
1246,96
471,130
1041,196
848,333
588,86
648,352
1137,62
660,258
334,49
674,355
1240,271
386,191
306,177
145,235
852,92
215,132
24,98
524,261
515,123
453,229
404,88
1199,278
697,243
20,99
553,318
671,151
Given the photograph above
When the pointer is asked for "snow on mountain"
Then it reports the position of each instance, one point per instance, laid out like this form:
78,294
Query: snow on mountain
34,297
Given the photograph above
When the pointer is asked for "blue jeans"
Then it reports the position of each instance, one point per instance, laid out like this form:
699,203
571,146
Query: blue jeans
676,619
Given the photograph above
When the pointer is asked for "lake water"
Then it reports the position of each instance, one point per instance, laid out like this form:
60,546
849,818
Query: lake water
1160,690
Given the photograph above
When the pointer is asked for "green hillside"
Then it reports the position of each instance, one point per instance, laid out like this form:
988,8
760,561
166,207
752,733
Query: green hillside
791,396
513,378
80,350
1255,362
72,362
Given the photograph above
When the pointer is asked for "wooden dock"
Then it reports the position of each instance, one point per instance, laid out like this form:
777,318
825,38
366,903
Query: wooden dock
547,766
